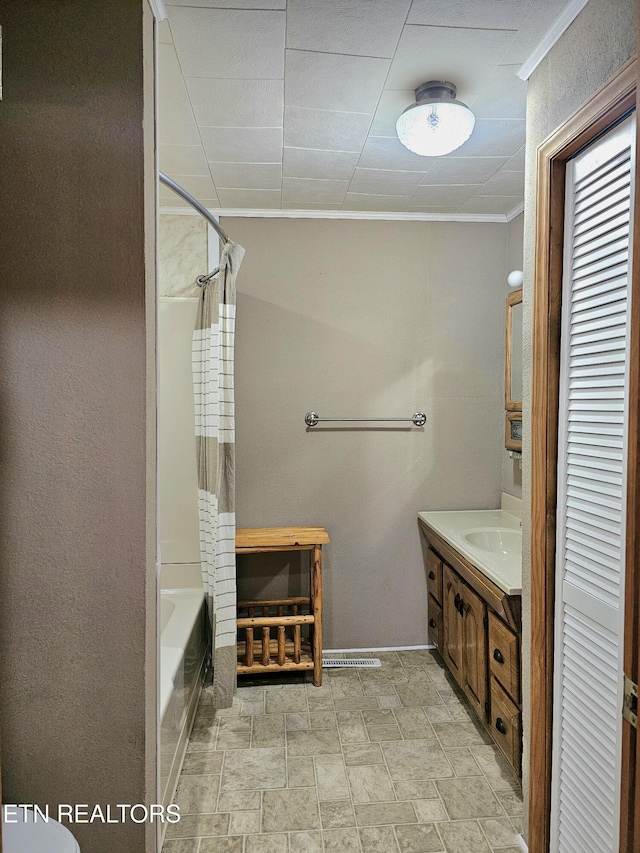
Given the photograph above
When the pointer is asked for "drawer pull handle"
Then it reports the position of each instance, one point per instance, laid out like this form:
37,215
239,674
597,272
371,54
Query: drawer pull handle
432,623
501,726
432,576
497,656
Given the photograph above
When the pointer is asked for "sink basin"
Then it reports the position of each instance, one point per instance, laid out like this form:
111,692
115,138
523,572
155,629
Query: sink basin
498,540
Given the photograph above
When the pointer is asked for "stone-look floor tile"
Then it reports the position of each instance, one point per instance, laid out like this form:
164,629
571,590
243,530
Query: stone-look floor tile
193,826
238,801
300,772
291,700
418,694
378,734
234,740
389,702
298,722
290,810
235,724
252,692
351,727
378,718
362,753
323,720
273,843
460,734
499,832
416,759
428,811
198,794
268,731
415,790
509,850
417,657
438,714
356,703
370,784
341,841
496,768
243,823
331,778
468,798
463,762
252,708
203,735
337,814
253,769
378,839
202,763
377,814
185,845
413,723
320,703
517,824
511,802
422,838
343,689
231,844
305,842
318,742
379,688
463,836
462,713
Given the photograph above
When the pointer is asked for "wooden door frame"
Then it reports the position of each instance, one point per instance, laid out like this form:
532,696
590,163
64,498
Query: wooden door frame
605,108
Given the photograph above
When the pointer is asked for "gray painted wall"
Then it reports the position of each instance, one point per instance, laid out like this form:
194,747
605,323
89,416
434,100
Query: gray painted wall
357,318
77,507
601,39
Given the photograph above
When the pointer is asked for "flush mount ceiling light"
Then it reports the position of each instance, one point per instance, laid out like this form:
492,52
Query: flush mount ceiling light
436,124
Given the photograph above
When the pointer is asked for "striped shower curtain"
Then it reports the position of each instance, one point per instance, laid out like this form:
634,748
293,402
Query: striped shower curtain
213,362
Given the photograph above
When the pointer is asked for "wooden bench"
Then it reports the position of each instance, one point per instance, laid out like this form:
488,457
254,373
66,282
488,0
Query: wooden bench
288,650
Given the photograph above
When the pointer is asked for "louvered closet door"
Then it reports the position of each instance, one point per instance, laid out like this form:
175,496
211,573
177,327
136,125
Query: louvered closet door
591,497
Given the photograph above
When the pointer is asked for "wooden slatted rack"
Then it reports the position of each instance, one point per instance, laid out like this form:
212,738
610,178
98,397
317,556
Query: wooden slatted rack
287,650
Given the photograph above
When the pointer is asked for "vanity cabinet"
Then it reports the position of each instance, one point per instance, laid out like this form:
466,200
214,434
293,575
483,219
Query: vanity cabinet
476,628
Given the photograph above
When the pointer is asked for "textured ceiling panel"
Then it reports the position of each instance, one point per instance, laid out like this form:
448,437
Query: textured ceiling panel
269,104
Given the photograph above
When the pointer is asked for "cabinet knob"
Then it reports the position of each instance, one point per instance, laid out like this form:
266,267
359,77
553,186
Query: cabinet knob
497,656
501,726
432,623
432,576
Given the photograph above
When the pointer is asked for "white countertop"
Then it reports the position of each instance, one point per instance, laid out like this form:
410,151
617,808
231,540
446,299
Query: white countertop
505,570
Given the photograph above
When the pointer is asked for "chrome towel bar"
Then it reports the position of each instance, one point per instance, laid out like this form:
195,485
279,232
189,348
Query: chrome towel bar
312,418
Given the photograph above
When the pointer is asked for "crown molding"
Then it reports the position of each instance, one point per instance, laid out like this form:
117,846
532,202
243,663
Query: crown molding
559,26
158,9
392,216
517,210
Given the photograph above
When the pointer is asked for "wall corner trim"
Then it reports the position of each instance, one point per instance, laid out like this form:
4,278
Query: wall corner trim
277,213
522,844
517,210
158,9
559,26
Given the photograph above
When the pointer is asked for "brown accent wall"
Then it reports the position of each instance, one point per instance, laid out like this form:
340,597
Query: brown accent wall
77,444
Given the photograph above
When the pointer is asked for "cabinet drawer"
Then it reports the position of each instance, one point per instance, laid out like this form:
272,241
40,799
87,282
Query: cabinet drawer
506,724
434,575
504,656
435,623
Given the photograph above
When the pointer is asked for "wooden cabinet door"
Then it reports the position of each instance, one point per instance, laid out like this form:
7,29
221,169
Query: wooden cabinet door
452,622
475,665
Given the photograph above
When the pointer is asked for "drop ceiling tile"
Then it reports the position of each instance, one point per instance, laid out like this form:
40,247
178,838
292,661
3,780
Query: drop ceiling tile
328,81
198,186
183,160
438,196
248,176
229,42
530,34
504,95
176,123
369,201
325,129
463,170
310,163
344,26
463,56
392,103
490,204
242,144
493,138
303,189
488,14
252,199
516,163
236,103
385,182
385,152
505,183
164,33
230,4
425,208
312,205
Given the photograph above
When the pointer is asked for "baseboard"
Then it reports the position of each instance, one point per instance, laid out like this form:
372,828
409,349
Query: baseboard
522,844
379,649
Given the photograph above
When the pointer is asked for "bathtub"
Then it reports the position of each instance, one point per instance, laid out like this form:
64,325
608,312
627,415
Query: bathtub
183,650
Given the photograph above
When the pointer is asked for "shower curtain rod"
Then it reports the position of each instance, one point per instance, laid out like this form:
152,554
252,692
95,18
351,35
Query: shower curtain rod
202,210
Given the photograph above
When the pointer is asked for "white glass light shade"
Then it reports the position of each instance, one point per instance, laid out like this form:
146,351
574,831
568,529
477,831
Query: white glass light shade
435,128
515,278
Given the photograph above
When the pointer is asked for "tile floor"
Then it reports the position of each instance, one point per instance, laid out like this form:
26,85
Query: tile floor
386,760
